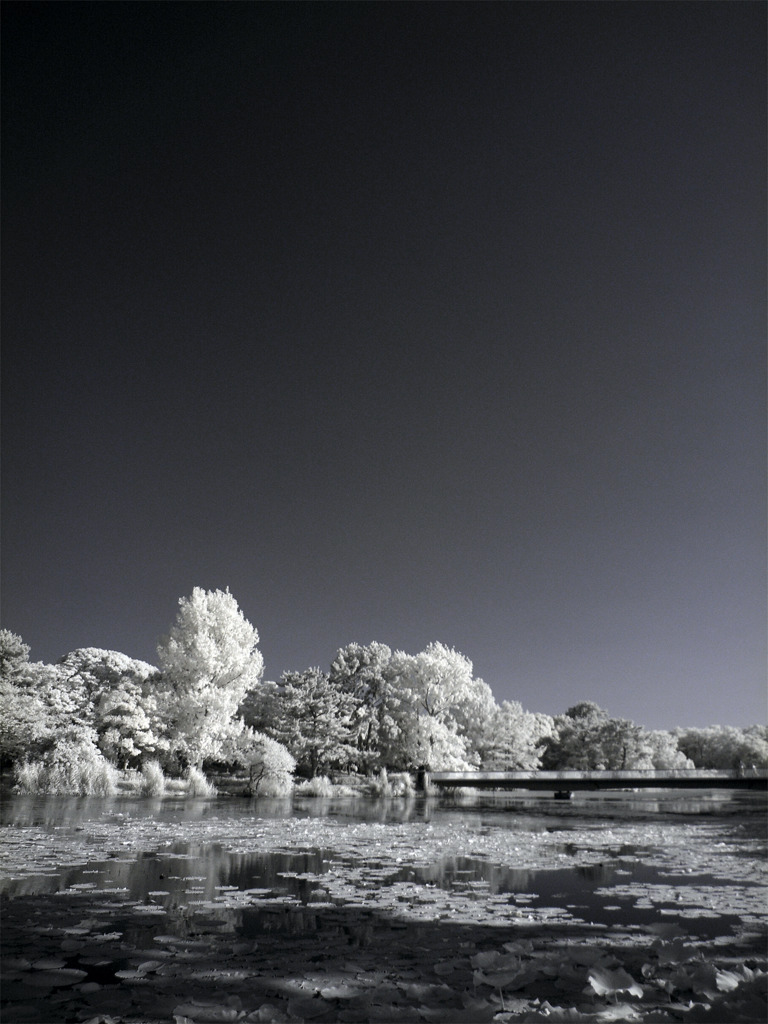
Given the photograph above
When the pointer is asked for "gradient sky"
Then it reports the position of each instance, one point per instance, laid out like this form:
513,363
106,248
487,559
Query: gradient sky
406,322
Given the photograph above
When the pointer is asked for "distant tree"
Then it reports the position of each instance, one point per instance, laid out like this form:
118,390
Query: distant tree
210,661
513,738
119,700
438,685
664,752
259,708
14,655
587,738
23,721
362,671
754,750
573,743
725,747
622,745
313,722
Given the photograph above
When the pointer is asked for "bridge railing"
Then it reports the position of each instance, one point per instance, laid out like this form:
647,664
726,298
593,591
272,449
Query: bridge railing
603,773
573,779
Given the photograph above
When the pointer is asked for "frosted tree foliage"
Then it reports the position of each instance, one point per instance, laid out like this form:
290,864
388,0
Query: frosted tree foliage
374,711
513,738
129,724
14,655
313,720
428,741
437,681
100,671
209,660
725,746
23,723
122,695
438,684
39,706
663,751
586,738
363,671
269,764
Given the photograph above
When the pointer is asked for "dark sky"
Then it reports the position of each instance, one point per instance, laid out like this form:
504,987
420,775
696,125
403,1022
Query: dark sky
406,322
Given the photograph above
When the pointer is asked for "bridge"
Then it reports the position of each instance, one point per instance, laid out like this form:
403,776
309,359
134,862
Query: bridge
563,783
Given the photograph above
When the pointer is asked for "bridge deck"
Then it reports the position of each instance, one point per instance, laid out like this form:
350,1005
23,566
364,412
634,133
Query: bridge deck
570,781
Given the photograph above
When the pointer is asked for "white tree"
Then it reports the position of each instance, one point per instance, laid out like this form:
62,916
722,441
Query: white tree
129,725
270,766
120,697
512,740
65,700
100,671
436,680
210,660
664,752
24,723
425,740
363,672
14,655
438,684
313,720
725,746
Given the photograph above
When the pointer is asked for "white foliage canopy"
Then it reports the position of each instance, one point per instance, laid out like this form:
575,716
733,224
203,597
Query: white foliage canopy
211,660
437,681
443,706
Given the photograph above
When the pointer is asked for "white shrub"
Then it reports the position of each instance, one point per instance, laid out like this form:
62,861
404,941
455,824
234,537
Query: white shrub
381,786
320,785
152,779
74,767
198,785
27,776
270,765
402,784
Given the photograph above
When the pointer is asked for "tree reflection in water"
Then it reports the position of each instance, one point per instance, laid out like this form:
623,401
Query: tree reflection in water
350,916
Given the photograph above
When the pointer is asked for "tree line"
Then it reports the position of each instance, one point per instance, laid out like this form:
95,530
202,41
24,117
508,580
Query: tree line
207,704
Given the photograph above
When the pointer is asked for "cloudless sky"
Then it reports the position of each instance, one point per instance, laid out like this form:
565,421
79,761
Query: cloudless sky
406,322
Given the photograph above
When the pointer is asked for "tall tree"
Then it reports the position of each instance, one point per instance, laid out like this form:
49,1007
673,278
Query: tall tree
209,660
24,722
664,751
438,684
313,721
725,746
120,697
14,655
513,738
362,671
587,738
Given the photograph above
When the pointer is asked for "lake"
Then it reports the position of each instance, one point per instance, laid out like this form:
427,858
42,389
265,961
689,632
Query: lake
510,907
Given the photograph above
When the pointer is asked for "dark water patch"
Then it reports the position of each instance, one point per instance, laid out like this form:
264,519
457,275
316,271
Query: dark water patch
137,917
299,892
